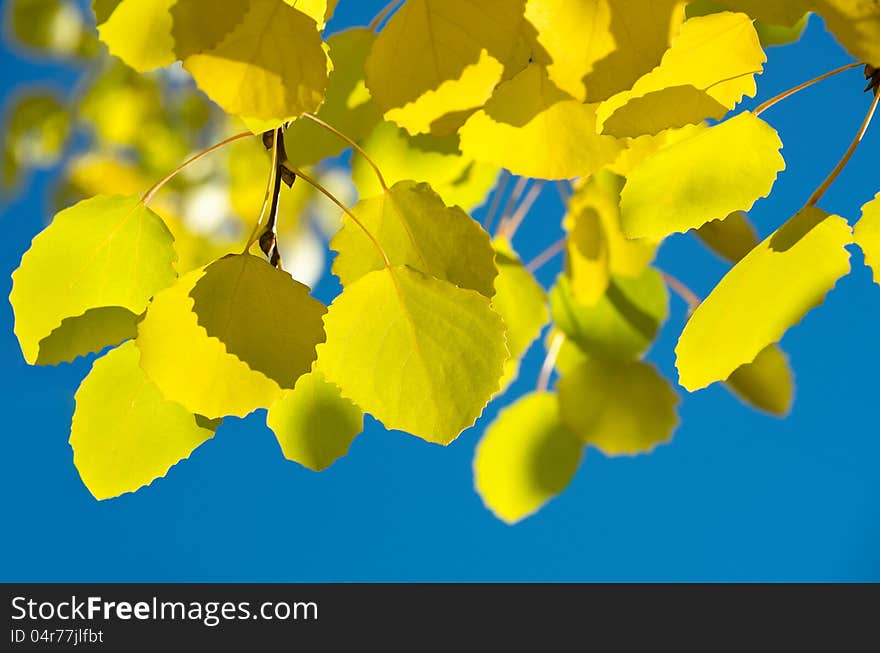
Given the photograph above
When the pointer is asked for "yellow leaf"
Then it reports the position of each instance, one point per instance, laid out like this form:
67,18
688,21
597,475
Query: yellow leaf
419,354
525,458
620,407
855,23
534,129
867,235
261,315
720,170
622,324
600,47
775,12
348,105
640,148
415,228
139,33
314,424
199,26
731,238
271,67
193,369
586,261
718,54
521,303
451,51
102,253
458,179
124,434
657,111
766,383
318,10
767,292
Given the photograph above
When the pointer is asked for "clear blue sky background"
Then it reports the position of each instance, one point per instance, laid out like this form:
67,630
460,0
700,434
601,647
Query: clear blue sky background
735,496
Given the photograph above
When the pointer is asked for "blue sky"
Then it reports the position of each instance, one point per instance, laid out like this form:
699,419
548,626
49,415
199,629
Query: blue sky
735,496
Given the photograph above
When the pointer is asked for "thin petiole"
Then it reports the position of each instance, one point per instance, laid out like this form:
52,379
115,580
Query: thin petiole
383,14
679,288
496,200
800,87
814,199
347,211
273,174
171,175
518,189
508,227
547,255
351,142
550,362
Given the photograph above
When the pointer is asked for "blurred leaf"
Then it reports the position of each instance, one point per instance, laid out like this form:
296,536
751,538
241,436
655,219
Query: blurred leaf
53,27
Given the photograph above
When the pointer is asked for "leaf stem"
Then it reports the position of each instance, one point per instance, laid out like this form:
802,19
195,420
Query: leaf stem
273,174
351,142
800,87
679,288
155,189
550,362
508,227
564,191
518,189
815,197
547,255
347,211
497,196
382,15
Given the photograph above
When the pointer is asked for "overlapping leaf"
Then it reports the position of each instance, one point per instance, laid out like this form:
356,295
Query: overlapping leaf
719,170
124,433
419,354
100,261
415,228
526,457
731,238
867,235
766,383
770,290
314,424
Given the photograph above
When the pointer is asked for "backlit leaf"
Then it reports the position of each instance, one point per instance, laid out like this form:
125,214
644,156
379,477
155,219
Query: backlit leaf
731,238
855,23
867,235
139,33
622,324
766,383
767,292
526,458
314,424
124,434
657,111
271,67
620,407
193,369
415,228
419,354
720,170
108,252
534,129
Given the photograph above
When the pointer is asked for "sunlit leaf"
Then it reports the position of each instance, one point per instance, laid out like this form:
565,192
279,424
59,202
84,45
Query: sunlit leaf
271,67
139,33
788,31
620,407
867,235
657,111
525,458
731,238
415,228
105,252
720,170
124,433
419,354
534,129
767,292
314,424
766,383
855,23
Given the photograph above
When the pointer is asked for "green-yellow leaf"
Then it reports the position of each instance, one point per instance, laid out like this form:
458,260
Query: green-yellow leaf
534,129
787,29
620,407
657,111
415,228
767,292
867,235
525,458
198,26
102,253
193,369
418,353
855,23
731,238
600,47
440,58
270,68
623,324
139,33
348,106
766,383
318,10
314,424
719,170
436,160
521,303
124,433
